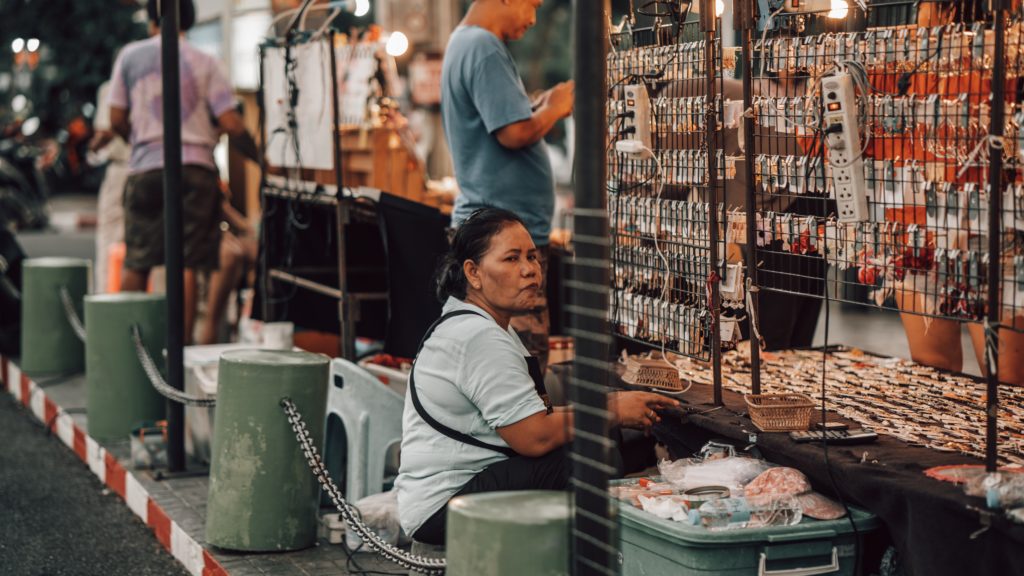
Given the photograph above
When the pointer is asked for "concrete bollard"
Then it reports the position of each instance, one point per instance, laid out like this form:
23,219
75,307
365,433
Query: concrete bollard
508,534
263,496
118,392
48,343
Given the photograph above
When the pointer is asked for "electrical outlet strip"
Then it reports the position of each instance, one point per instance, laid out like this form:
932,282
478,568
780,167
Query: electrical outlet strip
638,113
843,140
634,149
807,5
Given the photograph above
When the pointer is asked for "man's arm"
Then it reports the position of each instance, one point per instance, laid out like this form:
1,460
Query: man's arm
120,124
238,137
557,104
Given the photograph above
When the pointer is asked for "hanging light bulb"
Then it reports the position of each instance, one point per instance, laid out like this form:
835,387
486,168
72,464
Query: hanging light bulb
397,44
840,9
17,45
362,8
719,8
32,44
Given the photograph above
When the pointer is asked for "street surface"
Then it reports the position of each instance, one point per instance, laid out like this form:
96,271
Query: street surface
56,518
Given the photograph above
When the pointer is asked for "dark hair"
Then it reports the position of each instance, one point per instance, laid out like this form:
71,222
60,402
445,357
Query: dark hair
471,242
186,12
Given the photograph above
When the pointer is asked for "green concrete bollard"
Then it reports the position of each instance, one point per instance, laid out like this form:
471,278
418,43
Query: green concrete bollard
263,496
118,393
509,534
48,344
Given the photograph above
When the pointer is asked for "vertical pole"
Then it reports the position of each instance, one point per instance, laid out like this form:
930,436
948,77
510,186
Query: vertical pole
346,304
173,230
263,275
594,532
346,325
707,10
336,112
996,127
745,23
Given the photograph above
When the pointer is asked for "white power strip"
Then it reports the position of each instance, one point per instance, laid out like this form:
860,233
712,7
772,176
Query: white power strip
807,5
638,113
634,149
844,152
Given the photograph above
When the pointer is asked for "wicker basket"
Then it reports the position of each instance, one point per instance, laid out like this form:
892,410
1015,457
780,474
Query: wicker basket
652,373
779,412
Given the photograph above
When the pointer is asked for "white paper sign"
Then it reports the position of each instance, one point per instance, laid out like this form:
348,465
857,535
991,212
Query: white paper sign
310,144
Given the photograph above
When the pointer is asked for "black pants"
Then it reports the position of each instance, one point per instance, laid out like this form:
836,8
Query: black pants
549,472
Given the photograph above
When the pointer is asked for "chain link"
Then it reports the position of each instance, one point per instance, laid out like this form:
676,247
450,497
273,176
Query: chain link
72,314
157,380
349,512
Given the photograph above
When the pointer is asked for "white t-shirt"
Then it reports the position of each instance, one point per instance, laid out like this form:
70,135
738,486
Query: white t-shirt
471,376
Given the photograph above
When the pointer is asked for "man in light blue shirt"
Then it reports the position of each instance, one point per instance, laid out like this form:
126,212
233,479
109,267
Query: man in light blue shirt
496,134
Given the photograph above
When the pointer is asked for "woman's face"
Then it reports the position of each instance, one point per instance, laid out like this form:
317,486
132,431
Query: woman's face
508,275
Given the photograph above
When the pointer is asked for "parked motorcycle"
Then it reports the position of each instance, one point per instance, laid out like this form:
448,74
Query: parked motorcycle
23,187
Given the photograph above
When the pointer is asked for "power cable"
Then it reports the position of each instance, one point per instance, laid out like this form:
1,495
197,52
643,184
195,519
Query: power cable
824,442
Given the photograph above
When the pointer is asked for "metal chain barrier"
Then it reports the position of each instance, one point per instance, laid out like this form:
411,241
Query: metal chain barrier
157,380
349,512
72,314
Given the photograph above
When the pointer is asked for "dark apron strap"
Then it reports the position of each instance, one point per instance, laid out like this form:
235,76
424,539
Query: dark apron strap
441,428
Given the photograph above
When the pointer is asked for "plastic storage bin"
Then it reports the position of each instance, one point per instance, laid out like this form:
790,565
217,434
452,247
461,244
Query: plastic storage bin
650,545
201,364
201,381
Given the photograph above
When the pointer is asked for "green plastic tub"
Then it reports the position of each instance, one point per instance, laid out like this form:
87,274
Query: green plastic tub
522,533
653,546
263,496
48,344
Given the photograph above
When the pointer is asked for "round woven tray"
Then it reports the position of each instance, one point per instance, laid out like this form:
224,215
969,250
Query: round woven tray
652,373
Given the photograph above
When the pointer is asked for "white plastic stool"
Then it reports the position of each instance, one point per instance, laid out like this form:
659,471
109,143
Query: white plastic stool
371,413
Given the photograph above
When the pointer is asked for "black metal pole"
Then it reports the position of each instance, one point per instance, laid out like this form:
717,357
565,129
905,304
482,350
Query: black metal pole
336,119
745,23
263,274
594,531
707,9
996,128
173,251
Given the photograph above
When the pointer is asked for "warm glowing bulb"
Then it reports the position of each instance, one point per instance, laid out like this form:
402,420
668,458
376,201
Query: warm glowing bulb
719,7
839,9
362,8
17,45
397,44
32,44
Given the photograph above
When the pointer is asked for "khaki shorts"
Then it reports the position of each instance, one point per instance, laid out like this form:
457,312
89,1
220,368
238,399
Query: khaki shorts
144,219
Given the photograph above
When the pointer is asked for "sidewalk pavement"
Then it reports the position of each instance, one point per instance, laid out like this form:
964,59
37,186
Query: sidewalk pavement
173,508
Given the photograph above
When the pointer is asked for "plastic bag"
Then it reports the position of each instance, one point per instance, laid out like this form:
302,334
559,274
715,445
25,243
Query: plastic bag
667,507
380,513
1002,489
1016,515
732,472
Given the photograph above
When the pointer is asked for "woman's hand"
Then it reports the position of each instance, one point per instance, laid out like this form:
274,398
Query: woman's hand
638,409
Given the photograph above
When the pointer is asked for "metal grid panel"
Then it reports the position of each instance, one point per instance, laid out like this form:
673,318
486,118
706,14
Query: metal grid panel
924,112
662,213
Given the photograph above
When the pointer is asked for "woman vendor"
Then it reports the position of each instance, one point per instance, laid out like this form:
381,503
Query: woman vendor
476,417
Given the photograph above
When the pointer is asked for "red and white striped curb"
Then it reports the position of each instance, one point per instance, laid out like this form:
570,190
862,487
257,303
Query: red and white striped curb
105,466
